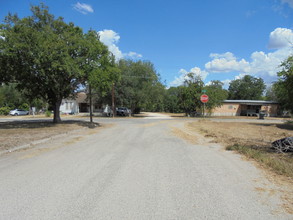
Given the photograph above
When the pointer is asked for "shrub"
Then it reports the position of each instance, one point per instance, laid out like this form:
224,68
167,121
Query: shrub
48,113
24,106
4,110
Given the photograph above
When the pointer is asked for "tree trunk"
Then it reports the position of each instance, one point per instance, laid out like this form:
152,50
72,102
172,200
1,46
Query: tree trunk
113,100
56,109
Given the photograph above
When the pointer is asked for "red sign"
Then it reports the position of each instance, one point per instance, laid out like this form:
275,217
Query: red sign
204,98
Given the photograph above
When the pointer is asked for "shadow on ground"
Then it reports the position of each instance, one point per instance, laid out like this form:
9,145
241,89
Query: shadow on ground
44,124
285,126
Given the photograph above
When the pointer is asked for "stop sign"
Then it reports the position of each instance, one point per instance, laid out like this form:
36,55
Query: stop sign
204,98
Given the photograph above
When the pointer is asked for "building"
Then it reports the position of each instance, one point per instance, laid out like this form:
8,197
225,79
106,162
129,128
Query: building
246,108
79,105
69,106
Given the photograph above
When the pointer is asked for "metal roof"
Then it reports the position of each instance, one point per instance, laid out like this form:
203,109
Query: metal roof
250,102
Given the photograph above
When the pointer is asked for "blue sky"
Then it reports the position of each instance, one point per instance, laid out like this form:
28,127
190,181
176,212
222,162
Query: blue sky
218,40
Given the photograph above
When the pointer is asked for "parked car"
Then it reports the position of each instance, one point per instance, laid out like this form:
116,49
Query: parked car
16,112
122,111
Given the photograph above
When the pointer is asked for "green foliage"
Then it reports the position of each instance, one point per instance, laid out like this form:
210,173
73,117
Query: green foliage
139,87
48,113
189,94
4,110
43,55
216,94
99,64
171,101
11,97
270,94
283,87
24,106
247,88
186,98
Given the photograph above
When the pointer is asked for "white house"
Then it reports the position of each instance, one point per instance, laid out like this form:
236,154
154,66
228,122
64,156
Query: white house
69,106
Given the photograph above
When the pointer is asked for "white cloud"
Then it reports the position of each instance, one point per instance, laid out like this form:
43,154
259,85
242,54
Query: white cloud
260,64
198,72
83,8
110,38
227,56
226,62
289,2
226,83
240,76
263,64
280,38
183,75
133,55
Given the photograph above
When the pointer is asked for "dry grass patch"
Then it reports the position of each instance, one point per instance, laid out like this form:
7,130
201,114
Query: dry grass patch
252,140
14,134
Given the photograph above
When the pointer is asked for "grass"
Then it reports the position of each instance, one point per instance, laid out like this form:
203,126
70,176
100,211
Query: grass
279,163
17,133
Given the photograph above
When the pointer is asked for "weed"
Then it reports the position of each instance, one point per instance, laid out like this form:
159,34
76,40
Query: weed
279,163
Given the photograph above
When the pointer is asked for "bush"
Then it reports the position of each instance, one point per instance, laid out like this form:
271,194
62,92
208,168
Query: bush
48,113
24,106
4,110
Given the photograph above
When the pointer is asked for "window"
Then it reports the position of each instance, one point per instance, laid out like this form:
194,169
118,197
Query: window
230,107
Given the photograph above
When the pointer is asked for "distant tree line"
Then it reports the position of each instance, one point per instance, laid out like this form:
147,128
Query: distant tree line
44,60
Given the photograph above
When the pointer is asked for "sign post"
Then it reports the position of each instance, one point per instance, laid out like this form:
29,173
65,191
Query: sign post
204,99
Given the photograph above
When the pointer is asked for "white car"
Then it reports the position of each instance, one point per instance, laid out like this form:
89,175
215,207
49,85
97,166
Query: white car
16,112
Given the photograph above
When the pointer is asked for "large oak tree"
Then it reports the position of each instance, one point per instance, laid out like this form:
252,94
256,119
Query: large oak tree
42,55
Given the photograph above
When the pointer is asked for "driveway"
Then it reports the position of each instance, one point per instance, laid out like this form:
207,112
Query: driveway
134,169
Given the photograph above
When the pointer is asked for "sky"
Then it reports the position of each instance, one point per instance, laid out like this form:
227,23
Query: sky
217,40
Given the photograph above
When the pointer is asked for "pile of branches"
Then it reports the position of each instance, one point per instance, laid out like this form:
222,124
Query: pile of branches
283,145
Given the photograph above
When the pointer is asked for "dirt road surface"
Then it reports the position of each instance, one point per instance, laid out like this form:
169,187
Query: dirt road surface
134,169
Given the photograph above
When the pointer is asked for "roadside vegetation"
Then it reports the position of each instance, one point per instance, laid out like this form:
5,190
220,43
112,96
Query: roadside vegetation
252,140
279,163
14,134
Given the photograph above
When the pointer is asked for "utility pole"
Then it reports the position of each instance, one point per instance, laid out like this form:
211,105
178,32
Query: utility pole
113,100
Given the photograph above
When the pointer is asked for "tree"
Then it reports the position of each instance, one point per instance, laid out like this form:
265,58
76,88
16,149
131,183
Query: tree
190,92
171,101
99,67
283,87
139,87
10,97
216,94
43,55
270,94
247,88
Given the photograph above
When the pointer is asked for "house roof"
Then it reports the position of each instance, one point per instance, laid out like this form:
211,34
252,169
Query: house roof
81,97
251,102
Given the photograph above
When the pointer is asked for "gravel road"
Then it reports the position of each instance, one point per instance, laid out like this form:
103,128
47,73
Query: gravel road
134,169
